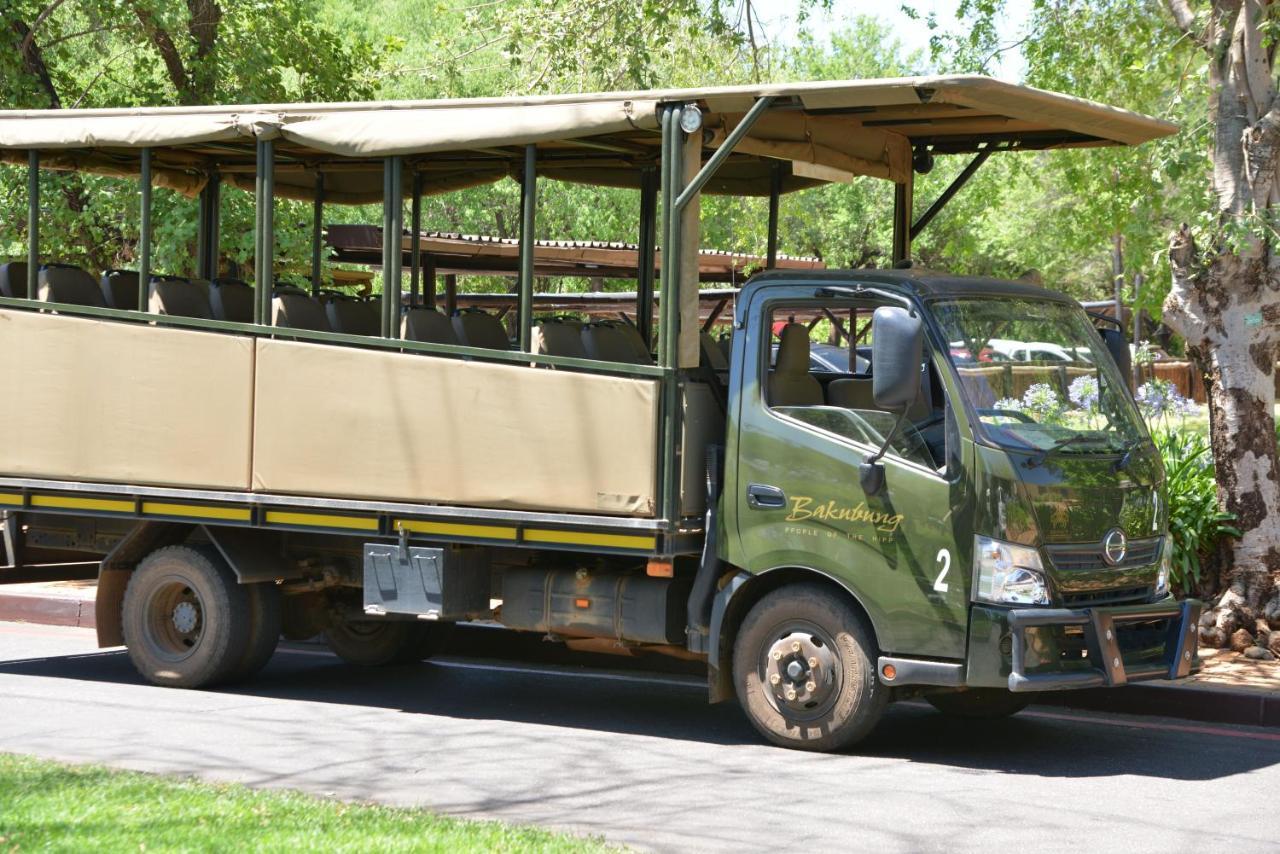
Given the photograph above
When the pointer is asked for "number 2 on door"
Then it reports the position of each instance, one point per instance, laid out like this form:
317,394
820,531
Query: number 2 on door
944,558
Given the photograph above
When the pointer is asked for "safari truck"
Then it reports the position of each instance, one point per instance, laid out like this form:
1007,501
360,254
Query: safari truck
241,465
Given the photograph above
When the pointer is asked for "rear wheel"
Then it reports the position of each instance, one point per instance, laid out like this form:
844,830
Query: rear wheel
979,703
186,620
803,668
374,643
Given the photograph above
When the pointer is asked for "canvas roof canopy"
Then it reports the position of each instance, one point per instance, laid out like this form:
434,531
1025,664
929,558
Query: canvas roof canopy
817,131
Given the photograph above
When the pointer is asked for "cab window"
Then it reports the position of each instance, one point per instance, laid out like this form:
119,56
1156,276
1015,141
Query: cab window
820,374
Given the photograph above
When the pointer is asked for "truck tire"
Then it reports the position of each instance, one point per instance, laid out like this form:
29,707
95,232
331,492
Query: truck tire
374,643
264,630
804,670
186,619
979,703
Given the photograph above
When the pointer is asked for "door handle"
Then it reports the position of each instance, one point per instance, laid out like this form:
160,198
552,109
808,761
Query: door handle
764,497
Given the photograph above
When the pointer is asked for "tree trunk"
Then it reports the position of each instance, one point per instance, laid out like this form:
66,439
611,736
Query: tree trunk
1225,301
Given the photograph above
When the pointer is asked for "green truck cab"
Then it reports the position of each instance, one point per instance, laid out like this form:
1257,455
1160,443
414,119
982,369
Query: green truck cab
996,549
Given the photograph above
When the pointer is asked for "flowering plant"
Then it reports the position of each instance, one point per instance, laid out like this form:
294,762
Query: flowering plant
1159,399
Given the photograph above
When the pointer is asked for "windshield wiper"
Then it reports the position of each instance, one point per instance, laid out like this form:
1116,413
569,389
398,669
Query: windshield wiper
1039,458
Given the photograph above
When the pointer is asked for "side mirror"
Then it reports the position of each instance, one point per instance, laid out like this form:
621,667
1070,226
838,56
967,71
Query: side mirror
1118,347
897,347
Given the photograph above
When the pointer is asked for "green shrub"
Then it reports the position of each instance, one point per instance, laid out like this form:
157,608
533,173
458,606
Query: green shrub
1195,521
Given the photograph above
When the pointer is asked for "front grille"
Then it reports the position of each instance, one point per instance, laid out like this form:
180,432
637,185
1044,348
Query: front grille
1083,557
1120,596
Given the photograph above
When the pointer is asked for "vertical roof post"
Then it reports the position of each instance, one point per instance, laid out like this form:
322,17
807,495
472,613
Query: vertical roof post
265,243
317,233
528,208
902,198
392,246
144,236
415,245
33,224
647,255
775,197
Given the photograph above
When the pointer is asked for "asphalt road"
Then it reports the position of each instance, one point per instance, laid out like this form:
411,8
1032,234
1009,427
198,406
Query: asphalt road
642,760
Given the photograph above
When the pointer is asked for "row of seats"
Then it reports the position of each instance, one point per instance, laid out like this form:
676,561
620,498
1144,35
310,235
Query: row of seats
295,308
791,383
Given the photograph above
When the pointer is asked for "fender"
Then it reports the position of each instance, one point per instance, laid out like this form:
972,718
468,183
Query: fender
719,676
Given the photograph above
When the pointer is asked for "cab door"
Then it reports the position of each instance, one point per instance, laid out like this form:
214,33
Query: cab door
796,492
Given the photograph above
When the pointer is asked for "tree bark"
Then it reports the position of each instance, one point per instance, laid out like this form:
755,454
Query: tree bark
1225,301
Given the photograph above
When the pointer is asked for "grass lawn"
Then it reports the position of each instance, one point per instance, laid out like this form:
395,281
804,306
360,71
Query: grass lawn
46,806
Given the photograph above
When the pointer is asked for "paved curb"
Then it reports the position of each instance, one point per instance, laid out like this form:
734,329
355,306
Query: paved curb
47,610
1195,702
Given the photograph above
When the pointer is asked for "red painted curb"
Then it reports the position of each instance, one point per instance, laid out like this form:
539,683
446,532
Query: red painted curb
47,610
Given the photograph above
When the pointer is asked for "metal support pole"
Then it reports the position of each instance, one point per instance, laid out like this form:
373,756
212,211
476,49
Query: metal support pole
265,246
902,196
317,233
392,244
144,236
669,315
775,197
215,223
528,208
953,188
647,254
415,235
207,228
202,233
33,224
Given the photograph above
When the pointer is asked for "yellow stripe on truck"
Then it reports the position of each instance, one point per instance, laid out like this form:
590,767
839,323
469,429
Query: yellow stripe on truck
457,529
11,499
587,538
196,511
75,502
322,520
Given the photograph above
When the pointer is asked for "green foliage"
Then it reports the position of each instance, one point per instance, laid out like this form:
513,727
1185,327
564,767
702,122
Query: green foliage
52,807
1196,523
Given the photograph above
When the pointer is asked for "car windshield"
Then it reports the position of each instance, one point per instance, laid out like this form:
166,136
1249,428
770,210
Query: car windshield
1029,368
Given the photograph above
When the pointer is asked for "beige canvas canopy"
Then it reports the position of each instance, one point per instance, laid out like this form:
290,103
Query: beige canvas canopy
823,131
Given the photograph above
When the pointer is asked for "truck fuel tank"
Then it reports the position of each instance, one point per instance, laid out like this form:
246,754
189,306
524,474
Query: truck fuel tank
582,603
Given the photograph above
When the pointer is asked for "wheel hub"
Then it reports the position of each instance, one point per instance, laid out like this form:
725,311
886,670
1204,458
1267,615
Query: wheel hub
185,617
801,671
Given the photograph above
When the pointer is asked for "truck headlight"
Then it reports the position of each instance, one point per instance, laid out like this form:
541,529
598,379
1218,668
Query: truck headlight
1009,574
1166,566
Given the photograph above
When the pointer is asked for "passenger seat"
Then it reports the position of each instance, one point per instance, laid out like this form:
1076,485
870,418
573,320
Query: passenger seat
294,308
712,356
352,316
477,328
615,341
178,297
428,326
851,393
231,299
558,336
120,289
69,284
790,383
13,280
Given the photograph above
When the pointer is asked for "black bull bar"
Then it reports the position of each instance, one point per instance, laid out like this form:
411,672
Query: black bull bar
1102,642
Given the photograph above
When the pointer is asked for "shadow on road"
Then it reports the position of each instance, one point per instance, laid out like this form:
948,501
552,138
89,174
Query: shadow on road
1050,744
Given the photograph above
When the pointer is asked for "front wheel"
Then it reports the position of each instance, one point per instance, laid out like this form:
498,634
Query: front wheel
804,670
979,703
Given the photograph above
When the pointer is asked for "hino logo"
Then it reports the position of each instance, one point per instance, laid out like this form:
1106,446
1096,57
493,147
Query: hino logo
1114,546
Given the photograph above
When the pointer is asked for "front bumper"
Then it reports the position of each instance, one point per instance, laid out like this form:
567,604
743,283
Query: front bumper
1055,649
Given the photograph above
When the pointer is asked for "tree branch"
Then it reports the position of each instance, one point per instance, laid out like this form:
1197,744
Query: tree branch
35,25
163,43
1186,20
33,59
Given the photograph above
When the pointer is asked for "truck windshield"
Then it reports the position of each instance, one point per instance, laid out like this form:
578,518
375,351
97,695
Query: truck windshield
1031,371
